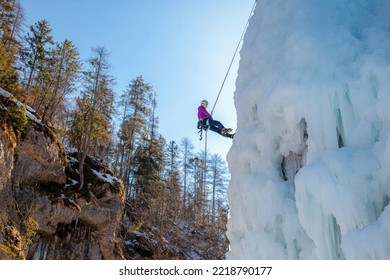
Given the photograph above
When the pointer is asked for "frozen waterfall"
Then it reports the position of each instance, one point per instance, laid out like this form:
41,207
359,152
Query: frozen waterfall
310,163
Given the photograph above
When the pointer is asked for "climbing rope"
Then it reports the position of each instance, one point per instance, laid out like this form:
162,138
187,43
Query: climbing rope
223,84
234,56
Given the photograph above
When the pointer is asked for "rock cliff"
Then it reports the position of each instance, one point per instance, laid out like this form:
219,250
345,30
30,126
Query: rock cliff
42,216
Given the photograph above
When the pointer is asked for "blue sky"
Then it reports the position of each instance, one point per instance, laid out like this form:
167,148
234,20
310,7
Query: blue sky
182,48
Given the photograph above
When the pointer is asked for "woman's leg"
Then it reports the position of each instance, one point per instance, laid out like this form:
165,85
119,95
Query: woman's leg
217,130
217,124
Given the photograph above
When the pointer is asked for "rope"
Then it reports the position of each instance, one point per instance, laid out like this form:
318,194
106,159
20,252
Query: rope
205,162
234,56
223,83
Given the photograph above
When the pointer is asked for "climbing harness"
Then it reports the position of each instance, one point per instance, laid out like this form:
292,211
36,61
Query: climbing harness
203,124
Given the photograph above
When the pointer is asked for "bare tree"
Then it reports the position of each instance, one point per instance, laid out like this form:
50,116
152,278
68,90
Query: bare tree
187,149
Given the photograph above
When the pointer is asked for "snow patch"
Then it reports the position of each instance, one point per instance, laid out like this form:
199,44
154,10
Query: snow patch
106,177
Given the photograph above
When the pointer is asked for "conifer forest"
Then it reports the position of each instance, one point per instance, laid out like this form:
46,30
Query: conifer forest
169,189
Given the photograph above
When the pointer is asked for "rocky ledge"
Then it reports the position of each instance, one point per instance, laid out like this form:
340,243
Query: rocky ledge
42,214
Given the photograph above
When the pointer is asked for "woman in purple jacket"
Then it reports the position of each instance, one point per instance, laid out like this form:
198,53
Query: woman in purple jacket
205,120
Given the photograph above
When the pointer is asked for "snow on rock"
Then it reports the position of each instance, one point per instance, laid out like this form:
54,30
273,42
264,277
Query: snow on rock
7,94
106,177
30,112
310,165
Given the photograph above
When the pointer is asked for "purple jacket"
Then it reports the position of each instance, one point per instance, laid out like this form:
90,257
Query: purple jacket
202,113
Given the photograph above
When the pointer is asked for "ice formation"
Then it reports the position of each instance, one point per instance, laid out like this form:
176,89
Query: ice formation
310,163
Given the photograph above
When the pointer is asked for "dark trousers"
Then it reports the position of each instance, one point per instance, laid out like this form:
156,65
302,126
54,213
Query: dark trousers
216,126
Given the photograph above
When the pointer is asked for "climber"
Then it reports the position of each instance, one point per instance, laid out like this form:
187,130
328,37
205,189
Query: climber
205,121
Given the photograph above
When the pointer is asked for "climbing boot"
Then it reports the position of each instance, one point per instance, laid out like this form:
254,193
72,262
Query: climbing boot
226,130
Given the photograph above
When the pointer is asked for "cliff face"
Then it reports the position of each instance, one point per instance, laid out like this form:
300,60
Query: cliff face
41,214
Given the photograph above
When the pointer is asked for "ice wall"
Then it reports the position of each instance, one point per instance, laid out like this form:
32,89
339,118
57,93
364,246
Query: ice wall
310,163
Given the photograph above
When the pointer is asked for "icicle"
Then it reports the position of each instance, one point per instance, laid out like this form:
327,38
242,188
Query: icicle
46,248
68,237
77,236
37,253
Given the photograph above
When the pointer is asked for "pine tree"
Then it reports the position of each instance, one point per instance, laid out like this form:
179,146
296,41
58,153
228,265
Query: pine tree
63,65
199,192
219,181
91,120
136,103
150,190
187,149
11,17
151,163
172,156
35,59
173,179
